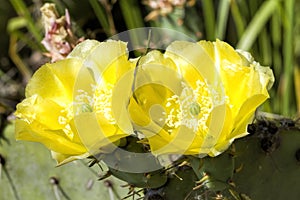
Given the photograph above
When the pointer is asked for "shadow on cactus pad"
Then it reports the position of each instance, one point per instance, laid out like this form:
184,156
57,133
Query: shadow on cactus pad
262,166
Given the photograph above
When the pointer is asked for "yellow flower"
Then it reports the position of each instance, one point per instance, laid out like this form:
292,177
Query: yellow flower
196,98
69,105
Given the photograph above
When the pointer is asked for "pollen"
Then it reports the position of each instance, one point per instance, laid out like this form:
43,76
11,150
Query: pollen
97,101
64,120
191,108
102,101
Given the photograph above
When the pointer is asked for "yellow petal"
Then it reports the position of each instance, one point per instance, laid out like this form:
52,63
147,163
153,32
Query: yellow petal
113,74
65,158
155,81
235,86
55,140
55,81
83,49
113,62
193,62
96,132
62,101
120,99
246,114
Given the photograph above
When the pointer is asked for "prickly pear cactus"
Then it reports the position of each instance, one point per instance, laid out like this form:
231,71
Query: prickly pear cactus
262,166
269,168
153,179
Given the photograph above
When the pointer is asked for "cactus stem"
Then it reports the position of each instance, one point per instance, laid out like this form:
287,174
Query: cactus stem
234,194
237,170
132,193
109,185
297,155
55,182
198,186
57,189
2,163
177,176
10,180
183,163
219,197
202,181
232,151
231,183
204,178
104,176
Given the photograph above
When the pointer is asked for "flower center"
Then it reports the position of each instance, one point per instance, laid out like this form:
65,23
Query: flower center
190,109
102,101
64,120
99,102
195,108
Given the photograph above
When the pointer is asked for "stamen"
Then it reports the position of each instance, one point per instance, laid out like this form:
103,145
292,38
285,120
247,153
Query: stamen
62,120
102,101
191,108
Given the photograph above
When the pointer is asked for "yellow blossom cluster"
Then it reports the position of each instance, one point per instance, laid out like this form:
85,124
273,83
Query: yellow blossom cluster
193,99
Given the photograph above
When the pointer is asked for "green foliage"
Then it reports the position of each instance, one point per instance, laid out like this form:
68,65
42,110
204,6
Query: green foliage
24,12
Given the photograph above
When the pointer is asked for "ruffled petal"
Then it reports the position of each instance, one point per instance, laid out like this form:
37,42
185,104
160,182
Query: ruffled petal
79,103
65,158
219,91
53,140
55,81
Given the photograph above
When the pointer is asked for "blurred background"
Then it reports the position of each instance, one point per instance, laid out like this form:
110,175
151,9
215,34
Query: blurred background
269,29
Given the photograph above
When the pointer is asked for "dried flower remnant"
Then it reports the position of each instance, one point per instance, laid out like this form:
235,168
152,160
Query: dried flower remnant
165,7
59,39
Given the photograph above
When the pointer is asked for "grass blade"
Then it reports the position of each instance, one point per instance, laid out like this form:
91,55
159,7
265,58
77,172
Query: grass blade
223,12
288,56
257,24
237,18
101,16
22,10
209,19
133,18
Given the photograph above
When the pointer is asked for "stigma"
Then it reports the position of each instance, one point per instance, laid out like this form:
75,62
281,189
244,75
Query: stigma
191,108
